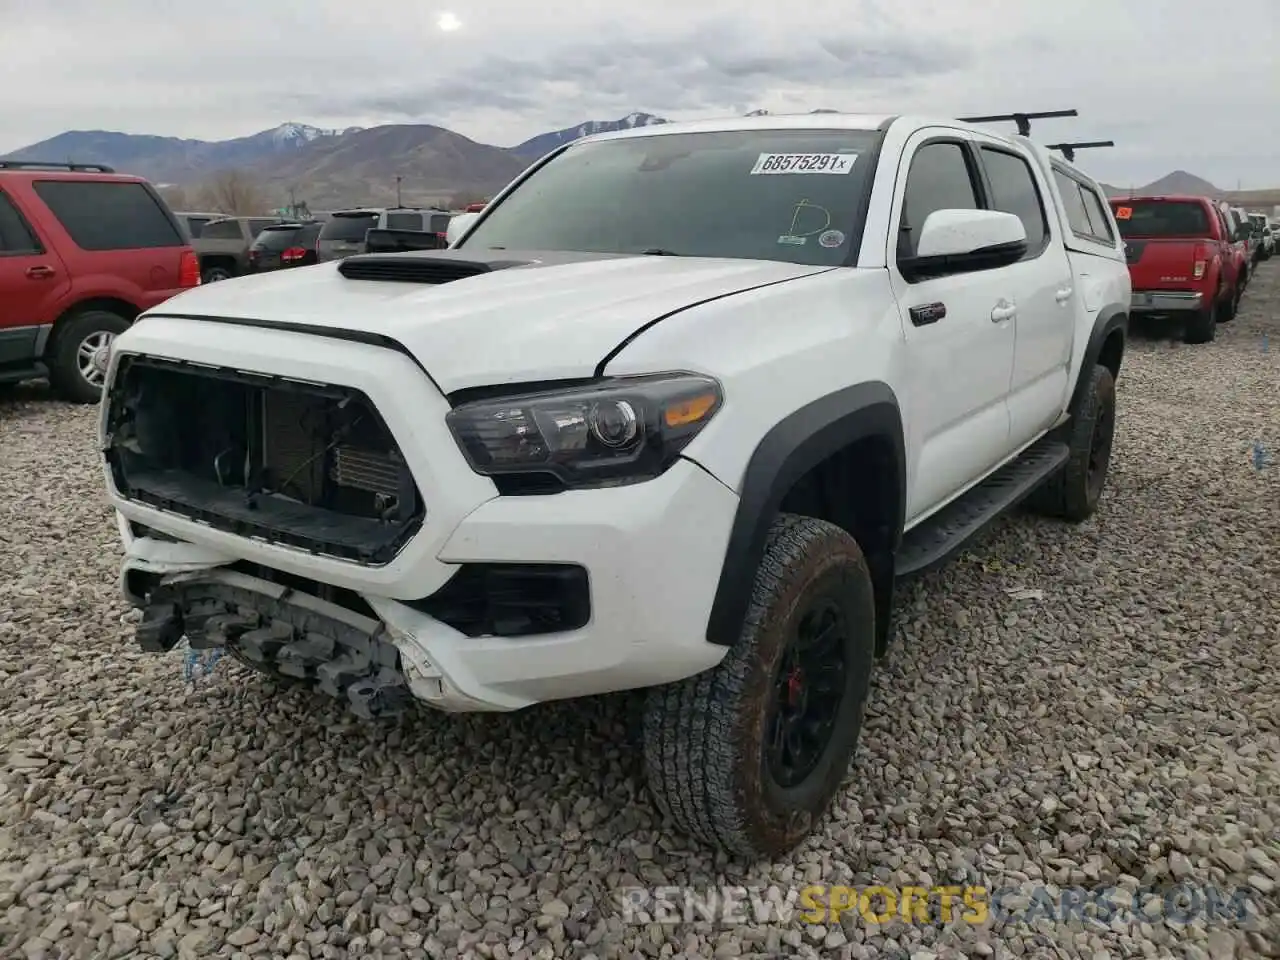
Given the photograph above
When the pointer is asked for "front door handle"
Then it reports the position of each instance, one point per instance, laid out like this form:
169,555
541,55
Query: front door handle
1063,295
927,313
1004,310
39,272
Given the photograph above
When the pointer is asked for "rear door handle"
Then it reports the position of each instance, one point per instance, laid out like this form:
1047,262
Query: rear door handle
1063,295
1004,310
39,272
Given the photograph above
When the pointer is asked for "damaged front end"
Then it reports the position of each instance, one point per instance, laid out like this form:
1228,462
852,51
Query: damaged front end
282,632
312,466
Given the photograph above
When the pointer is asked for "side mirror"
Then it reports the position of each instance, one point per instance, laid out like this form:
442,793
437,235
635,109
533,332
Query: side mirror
458,227
956,241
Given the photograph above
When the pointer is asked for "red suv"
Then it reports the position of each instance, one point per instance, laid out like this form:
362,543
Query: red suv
83,251
1182,260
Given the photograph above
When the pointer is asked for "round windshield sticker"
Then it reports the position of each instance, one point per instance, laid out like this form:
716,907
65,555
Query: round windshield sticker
830,239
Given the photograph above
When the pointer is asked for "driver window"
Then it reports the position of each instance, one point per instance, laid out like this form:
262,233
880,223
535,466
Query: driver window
939,179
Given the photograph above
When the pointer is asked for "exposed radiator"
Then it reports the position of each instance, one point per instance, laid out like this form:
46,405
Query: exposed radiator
367,470
290,445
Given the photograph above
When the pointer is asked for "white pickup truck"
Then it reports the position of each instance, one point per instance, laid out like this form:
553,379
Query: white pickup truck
675,412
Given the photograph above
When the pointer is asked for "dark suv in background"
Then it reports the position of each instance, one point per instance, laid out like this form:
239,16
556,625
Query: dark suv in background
283,245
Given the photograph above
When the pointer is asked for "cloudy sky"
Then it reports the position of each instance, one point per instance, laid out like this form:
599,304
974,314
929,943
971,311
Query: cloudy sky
1150,74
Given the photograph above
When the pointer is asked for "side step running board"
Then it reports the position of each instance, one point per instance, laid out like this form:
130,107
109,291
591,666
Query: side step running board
942,534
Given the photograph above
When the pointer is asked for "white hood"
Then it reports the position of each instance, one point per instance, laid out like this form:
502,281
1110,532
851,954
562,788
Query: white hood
518,324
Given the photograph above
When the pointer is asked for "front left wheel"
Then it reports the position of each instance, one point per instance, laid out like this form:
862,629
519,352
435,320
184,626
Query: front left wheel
747,756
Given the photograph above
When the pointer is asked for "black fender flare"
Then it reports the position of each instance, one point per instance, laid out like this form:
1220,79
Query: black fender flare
792,448
1110,318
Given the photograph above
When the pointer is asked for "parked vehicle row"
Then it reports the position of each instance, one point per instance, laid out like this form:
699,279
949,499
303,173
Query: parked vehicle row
1190,259
345,233
223,245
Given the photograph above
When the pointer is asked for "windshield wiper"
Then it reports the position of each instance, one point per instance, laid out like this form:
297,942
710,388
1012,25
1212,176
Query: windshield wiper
659,252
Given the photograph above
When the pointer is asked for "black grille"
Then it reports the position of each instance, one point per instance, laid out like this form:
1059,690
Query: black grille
512,600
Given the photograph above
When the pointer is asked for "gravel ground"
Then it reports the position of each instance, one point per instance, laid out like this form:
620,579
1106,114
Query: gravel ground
1122,727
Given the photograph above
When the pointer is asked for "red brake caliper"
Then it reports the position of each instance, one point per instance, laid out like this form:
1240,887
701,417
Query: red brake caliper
795,685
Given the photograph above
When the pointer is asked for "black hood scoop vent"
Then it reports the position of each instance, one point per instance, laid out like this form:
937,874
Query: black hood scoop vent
428,267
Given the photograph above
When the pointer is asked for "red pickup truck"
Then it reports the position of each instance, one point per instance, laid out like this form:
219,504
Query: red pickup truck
83,251
1184,262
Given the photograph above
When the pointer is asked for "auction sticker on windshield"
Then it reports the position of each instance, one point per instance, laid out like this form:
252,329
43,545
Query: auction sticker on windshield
804,163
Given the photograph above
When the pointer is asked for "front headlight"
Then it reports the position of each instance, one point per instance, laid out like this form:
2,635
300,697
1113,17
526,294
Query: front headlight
617,431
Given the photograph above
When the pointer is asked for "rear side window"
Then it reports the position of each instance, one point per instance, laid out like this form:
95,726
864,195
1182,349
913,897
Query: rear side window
16,235
351,227
196,225
1079,200
1097,210
438,222
105,215
939,179
404,221
1073,203
1014,190
222,230
1161,218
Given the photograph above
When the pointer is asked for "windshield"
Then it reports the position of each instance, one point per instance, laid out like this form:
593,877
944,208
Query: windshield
1162,218
790,195
349,226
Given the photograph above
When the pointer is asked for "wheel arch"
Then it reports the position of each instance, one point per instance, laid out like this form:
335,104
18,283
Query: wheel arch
122,308
848,440
1106,346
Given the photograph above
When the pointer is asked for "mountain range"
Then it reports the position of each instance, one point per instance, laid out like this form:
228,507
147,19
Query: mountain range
334,168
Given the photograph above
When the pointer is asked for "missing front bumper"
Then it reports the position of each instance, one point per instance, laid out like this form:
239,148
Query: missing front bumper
377,671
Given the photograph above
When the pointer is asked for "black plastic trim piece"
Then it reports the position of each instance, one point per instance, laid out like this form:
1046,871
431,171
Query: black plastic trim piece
791,449
940,536
1110,318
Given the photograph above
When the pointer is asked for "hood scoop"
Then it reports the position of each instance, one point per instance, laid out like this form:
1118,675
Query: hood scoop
432,268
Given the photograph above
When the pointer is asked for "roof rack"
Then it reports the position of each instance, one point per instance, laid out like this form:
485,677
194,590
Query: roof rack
55,165
1023,120
1069,149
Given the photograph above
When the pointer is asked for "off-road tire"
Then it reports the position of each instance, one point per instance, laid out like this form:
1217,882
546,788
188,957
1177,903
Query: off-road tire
64,362
1202,326
1227,306
215,274
705,738
1074,491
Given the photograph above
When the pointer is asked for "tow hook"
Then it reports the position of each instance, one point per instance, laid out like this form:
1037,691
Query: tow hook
161,628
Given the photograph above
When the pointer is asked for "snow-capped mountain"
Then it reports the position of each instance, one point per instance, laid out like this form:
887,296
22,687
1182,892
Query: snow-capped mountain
300,133
546,142
174,160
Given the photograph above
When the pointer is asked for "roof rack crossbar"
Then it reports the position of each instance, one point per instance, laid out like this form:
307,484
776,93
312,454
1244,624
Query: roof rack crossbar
1069,149
55,165
1023,120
